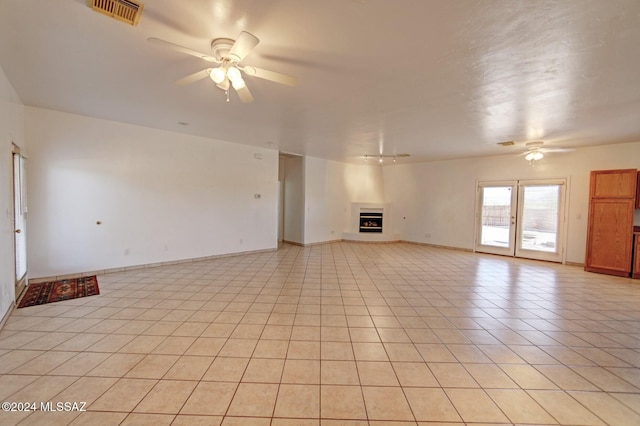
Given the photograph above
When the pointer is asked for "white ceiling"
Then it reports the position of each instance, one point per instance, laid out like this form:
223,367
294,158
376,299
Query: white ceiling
432,78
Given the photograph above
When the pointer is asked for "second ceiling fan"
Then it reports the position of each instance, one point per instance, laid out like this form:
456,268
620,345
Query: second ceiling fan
228,54
535,151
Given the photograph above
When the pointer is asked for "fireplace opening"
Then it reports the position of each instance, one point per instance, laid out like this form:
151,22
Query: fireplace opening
370,222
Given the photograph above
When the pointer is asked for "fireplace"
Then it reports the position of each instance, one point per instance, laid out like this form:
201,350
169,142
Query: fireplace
370,222
366,223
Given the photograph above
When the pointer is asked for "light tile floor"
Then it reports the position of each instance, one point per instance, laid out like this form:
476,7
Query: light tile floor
337,334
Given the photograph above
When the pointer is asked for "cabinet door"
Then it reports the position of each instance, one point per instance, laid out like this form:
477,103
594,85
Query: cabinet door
613,183
609,236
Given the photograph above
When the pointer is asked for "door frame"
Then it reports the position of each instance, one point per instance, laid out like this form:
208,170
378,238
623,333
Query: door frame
504,251
558,256
516,251
20,282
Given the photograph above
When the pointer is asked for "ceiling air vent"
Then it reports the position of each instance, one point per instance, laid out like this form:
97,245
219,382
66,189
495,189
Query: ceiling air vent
506,143
122,10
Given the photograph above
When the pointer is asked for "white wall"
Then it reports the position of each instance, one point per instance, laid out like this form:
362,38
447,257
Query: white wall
325,200
165,196
11,130
160,196
330,188
438,198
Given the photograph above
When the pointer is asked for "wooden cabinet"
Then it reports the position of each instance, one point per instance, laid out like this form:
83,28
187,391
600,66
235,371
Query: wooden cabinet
609,240
610,228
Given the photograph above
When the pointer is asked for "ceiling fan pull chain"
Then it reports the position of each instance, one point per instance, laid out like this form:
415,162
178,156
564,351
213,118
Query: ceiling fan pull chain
227,93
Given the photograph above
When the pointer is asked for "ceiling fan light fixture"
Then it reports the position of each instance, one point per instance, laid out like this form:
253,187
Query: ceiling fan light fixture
238,83
534,156
224,84
233,74
218,75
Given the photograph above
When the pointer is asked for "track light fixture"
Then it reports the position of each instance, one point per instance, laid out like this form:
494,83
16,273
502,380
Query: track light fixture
382,157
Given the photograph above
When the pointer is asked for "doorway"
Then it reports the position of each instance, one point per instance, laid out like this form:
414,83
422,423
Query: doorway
522,218
292,198
19,221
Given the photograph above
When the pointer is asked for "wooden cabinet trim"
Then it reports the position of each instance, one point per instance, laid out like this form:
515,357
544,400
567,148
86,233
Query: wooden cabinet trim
636,256
638,191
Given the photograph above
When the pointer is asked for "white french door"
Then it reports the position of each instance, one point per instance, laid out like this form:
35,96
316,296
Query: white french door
522,218
19,220
497,202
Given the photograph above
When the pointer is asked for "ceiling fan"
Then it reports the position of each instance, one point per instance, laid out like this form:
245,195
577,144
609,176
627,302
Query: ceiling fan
228,54
535,151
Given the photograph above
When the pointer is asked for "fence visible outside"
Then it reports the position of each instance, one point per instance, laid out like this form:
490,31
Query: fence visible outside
539,228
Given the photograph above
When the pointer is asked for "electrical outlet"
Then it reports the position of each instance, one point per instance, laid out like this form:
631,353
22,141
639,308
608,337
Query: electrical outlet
427,235
127,252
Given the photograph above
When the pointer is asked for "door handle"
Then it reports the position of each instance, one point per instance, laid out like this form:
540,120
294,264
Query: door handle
17,231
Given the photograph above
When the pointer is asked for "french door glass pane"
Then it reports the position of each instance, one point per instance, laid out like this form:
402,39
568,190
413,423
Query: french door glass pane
540,218
496,216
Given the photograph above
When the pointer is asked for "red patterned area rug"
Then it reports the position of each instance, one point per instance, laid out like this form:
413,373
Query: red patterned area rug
55,291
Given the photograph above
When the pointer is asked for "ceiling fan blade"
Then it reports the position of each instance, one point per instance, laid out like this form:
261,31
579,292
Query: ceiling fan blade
244,94
328,66
196,76
243,45
271,76
557,149
177,47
